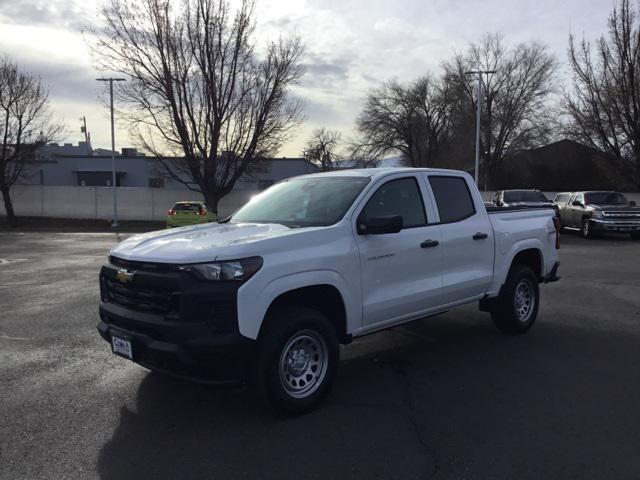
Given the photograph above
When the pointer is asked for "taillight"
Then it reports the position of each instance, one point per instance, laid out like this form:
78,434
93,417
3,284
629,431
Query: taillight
171,212
556,223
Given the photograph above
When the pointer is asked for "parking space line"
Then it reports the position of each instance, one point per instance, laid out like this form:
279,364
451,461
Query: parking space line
6,261
7,337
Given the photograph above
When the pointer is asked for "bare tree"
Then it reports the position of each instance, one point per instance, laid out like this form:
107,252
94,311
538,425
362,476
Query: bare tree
412,119
199,90
516,101
604,103
321,148
25,126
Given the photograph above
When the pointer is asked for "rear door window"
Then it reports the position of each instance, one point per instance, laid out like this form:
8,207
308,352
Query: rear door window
525,196
453,198
187,207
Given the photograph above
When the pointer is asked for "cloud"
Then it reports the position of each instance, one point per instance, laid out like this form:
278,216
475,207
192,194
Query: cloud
324,73
351,45
65,81
68,14
392,26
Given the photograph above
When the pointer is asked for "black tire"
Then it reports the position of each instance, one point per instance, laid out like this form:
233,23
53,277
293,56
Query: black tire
506,315
290,331
586,230
635,236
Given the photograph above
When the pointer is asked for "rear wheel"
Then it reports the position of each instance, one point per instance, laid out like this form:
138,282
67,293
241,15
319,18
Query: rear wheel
516,309
297,359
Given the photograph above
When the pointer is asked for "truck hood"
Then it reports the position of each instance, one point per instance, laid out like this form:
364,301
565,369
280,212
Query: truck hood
198,243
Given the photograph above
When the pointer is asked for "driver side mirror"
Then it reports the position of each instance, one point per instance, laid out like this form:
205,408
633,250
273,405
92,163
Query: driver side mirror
380,225
576,203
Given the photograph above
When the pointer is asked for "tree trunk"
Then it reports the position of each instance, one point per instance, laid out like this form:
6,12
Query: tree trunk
8,206
212,203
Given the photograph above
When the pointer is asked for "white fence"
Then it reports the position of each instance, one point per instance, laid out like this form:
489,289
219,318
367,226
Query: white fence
133,203
97,202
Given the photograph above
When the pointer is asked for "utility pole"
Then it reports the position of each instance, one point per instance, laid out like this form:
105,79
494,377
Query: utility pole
478,110
113,147
83,129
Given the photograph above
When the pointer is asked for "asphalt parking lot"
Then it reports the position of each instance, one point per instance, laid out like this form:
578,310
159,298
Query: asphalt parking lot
445,397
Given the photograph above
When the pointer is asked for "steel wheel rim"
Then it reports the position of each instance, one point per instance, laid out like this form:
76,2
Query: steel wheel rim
524,300
303,363
585,229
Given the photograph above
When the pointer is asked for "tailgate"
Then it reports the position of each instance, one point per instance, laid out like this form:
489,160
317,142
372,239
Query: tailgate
186,216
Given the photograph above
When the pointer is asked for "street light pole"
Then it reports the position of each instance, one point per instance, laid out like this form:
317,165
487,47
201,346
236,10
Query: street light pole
113,147
478,110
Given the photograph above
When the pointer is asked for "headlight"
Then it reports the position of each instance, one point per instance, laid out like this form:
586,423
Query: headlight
597,214
229,270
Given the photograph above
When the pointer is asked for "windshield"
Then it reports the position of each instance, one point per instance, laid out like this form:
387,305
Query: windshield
524,196
605,198
303,202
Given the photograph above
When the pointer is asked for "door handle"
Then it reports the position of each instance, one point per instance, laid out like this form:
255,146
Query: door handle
429,243
480,236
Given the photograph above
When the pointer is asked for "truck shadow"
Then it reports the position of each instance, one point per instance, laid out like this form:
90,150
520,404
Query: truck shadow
575,237
446,395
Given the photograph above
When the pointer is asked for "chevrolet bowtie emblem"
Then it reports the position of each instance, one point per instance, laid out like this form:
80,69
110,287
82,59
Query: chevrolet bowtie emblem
124,276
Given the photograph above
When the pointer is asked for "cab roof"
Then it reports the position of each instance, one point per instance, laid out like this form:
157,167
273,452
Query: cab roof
375,173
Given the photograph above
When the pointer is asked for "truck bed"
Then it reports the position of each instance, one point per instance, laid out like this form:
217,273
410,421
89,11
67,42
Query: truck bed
519,228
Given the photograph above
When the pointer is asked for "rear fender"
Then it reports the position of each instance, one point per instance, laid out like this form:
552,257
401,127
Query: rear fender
504,262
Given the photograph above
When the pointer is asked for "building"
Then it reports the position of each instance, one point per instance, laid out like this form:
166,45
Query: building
565,165
80,165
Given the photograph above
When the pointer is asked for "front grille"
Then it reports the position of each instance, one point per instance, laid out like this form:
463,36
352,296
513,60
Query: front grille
143,266
622,215
223,318
142,299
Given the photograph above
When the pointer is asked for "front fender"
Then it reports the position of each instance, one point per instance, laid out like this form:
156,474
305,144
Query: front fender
254,300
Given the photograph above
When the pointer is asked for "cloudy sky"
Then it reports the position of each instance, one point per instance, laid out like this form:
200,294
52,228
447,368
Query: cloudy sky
351,46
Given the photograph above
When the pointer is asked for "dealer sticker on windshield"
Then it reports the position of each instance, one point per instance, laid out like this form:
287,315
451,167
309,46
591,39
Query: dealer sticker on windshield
122,347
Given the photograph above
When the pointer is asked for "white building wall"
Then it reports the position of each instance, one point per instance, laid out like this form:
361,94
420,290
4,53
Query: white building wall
134,203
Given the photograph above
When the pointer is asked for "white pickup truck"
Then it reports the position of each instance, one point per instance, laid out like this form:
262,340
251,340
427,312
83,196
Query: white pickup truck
315,261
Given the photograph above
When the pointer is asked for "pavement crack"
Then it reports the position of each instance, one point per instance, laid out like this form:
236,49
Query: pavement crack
401,370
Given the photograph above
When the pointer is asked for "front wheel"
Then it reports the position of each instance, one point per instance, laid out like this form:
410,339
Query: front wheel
516,309
297,359
586,230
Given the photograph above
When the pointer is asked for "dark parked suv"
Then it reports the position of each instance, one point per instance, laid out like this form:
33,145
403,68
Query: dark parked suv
598,212
522,198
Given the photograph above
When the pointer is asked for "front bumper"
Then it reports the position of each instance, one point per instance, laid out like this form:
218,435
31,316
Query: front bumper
620,226
197,338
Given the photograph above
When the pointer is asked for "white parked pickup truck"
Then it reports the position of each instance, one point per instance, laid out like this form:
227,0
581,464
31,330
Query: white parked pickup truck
315,261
